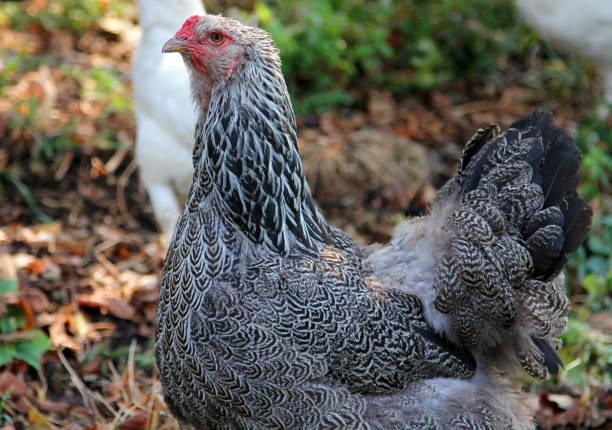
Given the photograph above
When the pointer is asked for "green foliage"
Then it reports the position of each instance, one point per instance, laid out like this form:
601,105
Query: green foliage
100,85
75,15
325,45
593,260
430,407
31,345
7,77
587,354
9,178
25,115
4,416
328,45
595,255
567,76
597,288
594,138
443,40
54,134
143,357
103,85
8,286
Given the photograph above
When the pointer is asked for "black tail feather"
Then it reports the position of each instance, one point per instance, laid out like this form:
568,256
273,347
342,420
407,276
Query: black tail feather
552,361
577,223
559,175
478,140
559,171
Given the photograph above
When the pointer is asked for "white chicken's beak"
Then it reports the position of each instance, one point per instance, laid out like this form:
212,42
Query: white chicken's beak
175,45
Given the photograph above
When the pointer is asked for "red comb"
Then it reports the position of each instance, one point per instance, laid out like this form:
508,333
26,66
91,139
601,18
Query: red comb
187,28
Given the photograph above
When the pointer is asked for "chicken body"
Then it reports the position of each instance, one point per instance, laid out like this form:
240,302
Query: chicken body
165,116
268,317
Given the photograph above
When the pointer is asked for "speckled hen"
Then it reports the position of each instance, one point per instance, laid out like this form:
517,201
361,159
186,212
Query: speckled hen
269,317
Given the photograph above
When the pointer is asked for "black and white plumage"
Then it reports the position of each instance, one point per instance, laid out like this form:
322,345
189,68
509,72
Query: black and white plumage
268,317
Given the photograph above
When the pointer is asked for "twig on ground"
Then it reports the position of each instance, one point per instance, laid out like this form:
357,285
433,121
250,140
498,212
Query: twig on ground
121,202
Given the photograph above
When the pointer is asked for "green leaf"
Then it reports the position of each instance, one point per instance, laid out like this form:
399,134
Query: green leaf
600,245
31,350
12,320
598,265
8,286
27,196
591,283
6,354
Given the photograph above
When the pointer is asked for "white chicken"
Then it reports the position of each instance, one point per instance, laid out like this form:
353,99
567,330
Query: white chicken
578,27
165,117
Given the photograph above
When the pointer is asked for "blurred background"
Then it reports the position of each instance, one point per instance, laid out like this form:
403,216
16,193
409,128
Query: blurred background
386,93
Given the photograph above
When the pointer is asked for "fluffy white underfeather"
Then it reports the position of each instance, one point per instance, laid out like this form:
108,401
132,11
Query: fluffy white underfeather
407,262
447,397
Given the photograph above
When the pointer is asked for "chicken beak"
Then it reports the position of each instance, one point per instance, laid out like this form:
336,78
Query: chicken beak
175,45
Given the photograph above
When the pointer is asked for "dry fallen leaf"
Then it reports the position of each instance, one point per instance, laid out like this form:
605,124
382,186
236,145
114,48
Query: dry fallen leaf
51,407
39,421
136,421
40,236
9,381
108,302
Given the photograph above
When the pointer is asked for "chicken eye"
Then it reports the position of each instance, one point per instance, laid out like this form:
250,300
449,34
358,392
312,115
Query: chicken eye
216,37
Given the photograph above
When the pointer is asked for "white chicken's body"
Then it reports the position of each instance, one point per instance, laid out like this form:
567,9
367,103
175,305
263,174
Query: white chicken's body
165,116
578,27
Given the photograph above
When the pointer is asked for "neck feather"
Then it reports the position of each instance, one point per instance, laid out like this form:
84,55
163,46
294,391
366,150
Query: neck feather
249,152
